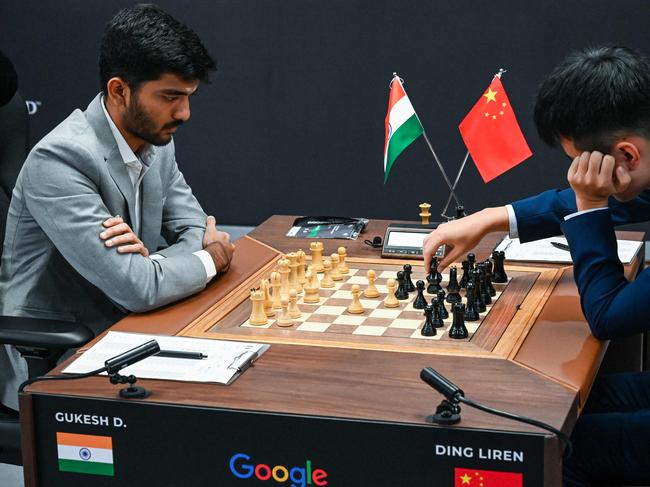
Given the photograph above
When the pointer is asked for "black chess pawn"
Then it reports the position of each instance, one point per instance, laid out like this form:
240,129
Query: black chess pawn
458,329
488,278
428,329
471,312
485,294
465,278
408,270
401,292
499,273
471,258
453,288
420,301
444,314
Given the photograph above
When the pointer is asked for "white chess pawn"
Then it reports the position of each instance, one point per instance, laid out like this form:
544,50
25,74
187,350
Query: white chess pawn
327,281
335,273
356,307
371,291
343,267
313,280
391,300
284,320
293,309
311,292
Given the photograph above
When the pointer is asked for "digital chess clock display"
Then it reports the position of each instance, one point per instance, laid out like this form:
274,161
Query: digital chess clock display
407,241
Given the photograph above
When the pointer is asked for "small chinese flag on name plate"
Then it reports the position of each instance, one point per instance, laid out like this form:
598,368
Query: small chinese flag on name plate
492,135
467,477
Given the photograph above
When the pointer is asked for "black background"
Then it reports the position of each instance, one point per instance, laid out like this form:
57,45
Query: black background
293,121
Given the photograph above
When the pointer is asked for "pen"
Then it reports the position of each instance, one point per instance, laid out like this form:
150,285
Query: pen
561,246
180,354
249,362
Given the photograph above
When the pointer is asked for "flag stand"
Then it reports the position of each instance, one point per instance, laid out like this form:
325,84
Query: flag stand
460,171
442,169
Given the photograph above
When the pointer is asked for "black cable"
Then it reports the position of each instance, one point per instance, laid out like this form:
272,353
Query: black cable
562,436
59,377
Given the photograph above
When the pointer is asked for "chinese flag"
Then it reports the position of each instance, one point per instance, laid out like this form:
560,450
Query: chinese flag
467,477
492,134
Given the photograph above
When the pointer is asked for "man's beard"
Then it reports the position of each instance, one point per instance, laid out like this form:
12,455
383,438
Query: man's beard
138,122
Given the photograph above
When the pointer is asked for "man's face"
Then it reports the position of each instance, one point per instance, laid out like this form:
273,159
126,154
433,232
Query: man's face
639,170
157,107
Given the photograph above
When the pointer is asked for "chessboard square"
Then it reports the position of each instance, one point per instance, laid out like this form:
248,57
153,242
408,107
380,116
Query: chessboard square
247,324
331,310
383,289
472,326
338,284
313,326
341,294
349,320
352,272
398,332
370,303
361,280
388,275
341,329
325,293
409,324
418,334
385,313
322,318
369,330
416,314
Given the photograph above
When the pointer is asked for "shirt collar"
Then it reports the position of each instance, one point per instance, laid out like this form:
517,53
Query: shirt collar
128,156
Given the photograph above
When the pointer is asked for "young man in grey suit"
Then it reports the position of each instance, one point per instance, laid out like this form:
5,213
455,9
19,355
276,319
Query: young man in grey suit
67,255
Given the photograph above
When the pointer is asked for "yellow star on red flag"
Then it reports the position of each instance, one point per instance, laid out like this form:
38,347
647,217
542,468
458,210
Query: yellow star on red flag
490,95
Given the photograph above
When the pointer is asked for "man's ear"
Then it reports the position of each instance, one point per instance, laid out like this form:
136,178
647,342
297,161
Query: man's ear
118,91
627,153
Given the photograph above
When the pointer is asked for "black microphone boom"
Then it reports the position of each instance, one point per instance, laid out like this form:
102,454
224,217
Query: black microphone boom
441,384
132,356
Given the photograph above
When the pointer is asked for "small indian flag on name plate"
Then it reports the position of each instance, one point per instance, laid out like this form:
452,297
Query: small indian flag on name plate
85,453
402,124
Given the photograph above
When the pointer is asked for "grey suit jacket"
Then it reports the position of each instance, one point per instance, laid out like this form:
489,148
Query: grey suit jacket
54,265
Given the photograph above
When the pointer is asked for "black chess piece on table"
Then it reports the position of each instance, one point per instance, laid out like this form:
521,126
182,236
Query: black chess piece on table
453,288
485,294
476,279
465,278
444,314
471,258
408,270
420,301
428,330
401,292
434,278
499,272
437,319
458,329
471,312
488,278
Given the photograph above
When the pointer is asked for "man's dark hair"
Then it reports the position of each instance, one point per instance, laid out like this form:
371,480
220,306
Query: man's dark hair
143,42
593,97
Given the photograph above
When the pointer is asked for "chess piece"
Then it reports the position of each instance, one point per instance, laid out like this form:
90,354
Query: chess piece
302,258
434,279
317,255
465,278
313,280
343,267
293,272
488,278
371,291
284,320
391,300
275,290
499,273
355,307
424,213
408,270
268,303
428,330
444,314
485,294
433,268
436,319
335,273
258,317
401,292
293,309
458,329
471,312
453,288
420,301
327,281
311,292
475,277
471,258
283,269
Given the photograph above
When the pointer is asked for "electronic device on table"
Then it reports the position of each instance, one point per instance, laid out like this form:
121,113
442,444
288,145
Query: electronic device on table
404,240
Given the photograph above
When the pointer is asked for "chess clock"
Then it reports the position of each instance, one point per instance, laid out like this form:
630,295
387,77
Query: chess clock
405,240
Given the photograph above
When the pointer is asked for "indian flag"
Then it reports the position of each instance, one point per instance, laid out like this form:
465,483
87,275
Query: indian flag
85,453
402,124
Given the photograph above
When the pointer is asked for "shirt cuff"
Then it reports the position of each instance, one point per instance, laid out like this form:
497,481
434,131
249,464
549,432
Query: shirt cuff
208,263
512,222
578,213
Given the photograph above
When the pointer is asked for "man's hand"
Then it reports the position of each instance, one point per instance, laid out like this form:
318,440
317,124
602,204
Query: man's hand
119,234
460,236
595,177
218,245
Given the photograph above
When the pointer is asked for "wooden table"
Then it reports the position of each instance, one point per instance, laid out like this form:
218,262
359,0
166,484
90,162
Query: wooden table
354,413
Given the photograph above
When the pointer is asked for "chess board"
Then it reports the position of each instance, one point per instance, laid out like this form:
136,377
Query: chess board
328,323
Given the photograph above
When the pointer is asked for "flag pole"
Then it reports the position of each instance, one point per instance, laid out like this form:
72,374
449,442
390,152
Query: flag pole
460,171
442,169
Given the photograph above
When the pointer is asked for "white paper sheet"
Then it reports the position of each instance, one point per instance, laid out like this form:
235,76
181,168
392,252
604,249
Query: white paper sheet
543,251
221,366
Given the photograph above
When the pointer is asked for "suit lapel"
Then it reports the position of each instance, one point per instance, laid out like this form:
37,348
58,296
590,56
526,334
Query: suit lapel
117,170
151,208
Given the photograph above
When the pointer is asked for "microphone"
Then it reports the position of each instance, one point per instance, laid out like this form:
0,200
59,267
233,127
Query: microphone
441,384
132,356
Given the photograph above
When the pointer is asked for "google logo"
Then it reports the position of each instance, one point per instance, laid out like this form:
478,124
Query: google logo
241,467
